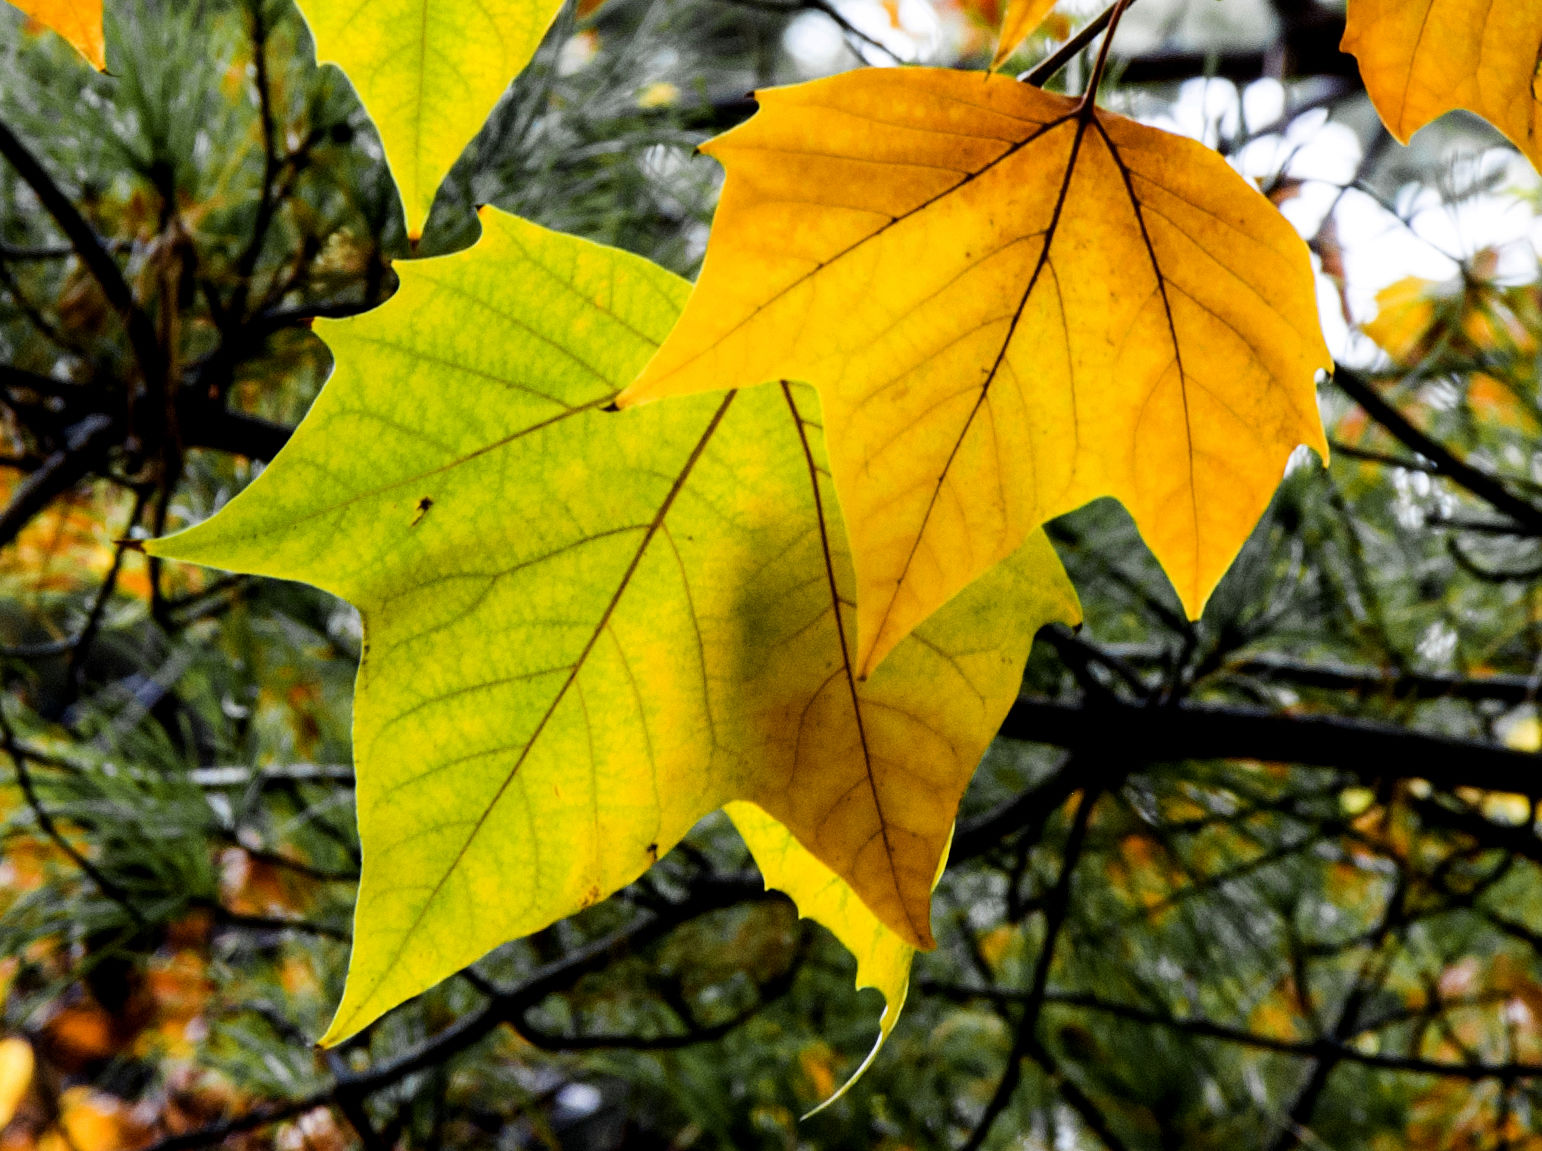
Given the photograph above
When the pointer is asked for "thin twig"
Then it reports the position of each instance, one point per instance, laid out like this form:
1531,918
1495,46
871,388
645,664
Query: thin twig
1044,71
1489,488
1207,1029
1026,1043
85,448
474,1026
1373,751
45,822
104,270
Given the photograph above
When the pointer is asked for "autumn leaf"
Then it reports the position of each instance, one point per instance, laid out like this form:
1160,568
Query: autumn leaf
78,21
883,957
586,629
1405,318
428,73
1022,17
17,1064
91,1120
1010,305
1422,58
1475,314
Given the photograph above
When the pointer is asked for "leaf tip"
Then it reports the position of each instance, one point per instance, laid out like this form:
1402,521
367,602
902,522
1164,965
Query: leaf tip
341,1029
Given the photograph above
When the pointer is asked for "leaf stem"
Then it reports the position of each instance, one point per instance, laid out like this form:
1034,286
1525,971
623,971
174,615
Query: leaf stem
1089,97
1045,70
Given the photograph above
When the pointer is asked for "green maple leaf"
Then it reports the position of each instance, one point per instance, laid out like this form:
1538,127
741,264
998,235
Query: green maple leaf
585,629
428,72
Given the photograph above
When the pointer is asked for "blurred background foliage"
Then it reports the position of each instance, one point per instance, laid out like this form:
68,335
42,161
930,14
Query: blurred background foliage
1268,880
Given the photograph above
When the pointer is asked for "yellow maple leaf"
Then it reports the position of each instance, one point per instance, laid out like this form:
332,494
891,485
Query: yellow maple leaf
1010,305
1021,18
78,21
1422,58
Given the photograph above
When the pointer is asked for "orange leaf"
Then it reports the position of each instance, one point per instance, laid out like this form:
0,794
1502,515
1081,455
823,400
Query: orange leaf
1423,58
78,21
1022,17
92,1121
1010,306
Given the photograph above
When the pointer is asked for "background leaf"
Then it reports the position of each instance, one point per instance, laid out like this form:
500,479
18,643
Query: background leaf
428,73
1021,18
1421,60
78,21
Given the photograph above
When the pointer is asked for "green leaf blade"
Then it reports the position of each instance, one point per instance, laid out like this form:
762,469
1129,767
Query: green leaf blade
428,73
586,629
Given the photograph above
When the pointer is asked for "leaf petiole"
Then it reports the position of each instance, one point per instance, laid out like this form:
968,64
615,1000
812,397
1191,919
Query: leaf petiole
1089,97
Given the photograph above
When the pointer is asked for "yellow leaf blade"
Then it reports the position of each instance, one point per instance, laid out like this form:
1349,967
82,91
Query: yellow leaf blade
78,21
587,629
1422,58
1405,311
428,73
1021,19
1008,309
883,958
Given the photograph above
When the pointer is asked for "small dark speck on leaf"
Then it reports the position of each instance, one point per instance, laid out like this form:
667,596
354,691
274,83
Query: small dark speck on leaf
653,852
611,407
423,505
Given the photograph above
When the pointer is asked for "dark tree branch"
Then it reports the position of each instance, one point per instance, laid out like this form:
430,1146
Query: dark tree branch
81,645
103,268
213,426
1309,46
1206,1029
1026,1043
1044,71
1372,751
225,918
1384,683
85,449
1025,812
1488,488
